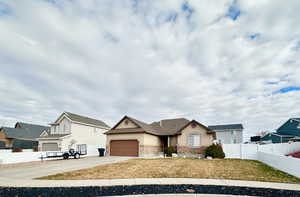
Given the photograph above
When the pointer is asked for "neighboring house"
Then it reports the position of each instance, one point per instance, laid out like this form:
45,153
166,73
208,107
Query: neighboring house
73,131
2,145
288,131
229,133
131,137
23,135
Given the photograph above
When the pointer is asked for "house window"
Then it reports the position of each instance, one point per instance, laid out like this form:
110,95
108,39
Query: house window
96,130
126,122
193,140
298,127
54,129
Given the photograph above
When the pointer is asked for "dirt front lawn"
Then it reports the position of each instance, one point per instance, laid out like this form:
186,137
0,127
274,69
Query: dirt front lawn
181,168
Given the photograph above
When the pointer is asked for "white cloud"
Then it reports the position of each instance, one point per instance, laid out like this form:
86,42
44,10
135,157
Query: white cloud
151,60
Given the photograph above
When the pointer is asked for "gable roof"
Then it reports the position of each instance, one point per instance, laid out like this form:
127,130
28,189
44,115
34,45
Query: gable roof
33,127
194,121
142,127
160,128
83,119
225,127
170,125
26,131
21,133
297,119
290,127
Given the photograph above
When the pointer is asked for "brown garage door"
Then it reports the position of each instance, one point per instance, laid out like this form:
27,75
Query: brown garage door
124,148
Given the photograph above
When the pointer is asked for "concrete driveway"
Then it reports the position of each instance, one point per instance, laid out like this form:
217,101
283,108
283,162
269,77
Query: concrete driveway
32,170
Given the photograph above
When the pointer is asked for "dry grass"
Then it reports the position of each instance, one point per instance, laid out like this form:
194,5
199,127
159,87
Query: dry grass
181,168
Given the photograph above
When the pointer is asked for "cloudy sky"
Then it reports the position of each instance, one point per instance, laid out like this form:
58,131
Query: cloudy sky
214,61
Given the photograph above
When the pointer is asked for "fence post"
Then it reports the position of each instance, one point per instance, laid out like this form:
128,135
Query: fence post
241,152
257,150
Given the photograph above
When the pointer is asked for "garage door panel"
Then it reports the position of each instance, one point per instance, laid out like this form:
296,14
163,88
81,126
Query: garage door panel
50,147
124,148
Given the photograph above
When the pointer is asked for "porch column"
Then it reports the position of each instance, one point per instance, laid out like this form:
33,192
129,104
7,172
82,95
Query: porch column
168,141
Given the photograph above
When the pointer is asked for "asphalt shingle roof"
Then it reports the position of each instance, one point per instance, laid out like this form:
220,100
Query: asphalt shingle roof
225,127
37,129
83,119
170,124
28,131
15,132
161,128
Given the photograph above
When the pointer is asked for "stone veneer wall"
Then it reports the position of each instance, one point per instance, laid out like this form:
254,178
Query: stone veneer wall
150,150
189,150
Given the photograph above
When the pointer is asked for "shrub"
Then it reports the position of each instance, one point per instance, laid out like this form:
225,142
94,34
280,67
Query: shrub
215,151
16,150
168,151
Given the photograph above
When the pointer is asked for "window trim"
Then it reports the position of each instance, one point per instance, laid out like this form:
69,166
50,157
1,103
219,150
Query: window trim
193,145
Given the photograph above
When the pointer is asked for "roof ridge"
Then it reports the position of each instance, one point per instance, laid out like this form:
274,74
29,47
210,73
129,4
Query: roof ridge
79,115
137,120
226,124
297,119
174,119
31,124
92,121
144,125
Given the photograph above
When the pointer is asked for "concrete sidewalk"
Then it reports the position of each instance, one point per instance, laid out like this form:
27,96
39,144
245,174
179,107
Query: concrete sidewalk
21,175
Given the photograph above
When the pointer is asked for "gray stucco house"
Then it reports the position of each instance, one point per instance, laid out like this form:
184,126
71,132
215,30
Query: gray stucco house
229,133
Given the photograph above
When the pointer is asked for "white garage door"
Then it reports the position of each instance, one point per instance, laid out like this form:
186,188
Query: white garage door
49,147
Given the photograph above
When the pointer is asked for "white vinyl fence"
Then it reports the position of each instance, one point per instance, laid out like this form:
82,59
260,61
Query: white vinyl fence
250,151
240,151
8,157
286,164
270,154
10,150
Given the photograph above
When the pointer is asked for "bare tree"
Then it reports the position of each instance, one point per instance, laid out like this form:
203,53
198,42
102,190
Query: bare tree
262,133
72,142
